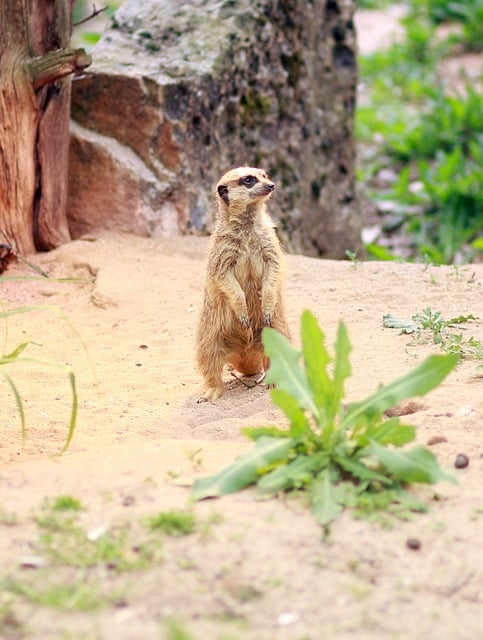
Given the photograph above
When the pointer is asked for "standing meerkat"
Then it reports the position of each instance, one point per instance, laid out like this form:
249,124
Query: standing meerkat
243,291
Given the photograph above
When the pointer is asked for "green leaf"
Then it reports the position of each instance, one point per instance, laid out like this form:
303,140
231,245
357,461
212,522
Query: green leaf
416,465
285,370
327,498
243,471
360,471
296,473
391,431
417,382
391,322
316,360
342,368
254,433
299,425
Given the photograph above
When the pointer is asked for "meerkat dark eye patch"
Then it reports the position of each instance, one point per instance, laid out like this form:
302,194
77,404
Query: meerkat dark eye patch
223,193
248,181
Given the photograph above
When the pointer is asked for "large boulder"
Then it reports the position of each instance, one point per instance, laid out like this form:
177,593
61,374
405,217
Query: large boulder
181,91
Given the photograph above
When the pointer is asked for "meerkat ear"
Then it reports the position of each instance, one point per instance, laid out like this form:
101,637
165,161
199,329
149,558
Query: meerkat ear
223,193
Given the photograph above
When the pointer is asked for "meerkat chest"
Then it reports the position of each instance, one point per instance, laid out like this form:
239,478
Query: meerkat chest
251,260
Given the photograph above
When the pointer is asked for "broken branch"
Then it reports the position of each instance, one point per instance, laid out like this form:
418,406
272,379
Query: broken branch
57,64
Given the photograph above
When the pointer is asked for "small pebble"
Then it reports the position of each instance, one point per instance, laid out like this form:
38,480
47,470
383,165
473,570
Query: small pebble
413,543
436,440
286,618
32,562
461,461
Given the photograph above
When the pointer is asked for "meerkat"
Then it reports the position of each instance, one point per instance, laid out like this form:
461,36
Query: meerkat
243,291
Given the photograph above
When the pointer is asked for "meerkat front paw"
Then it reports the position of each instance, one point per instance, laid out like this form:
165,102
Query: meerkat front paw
244,321
267,318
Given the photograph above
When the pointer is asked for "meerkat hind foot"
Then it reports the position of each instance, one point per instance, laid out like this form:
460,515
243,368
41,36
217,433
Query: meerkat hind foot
211,395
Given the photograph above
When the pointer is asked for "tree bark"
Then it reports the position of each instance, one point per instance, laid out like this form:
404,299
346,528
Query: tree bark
35,87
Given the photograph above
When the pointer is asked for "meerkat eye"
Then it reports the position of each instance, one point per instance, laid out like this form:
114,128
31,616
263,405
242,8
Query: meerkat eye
248,181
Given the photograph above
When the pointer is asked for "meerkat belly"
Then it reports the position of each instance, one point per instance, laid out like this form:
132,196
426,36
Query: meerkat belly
249,272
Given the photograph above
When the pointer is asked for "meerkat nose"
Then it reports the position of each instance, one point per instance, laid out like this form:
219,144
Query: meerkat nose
270,186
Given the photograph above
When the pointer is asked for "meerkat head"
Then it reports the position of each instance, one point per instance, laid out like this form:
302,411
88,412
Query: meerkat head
242,187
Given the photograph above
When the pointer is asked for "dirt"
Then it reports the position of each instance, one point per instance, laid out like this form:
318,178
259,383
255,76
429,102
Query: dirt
127,328
125,322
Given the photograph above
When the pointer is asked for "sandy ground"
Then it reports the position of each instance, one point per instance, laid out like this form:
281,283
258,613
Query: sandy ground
262,571
253,570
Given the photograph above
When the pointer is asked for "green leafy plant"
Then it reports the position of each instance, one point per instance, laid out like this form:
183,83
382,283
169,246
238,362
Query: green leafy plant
469,13
342,456
431,325
411,123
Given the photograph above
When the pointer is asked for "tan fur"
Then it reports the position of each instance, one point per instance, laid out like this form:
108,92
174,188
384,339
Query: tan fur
243,291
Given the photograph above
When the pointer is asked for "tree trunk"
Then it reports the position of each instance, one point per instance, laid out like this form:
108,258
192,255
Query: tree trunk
35,85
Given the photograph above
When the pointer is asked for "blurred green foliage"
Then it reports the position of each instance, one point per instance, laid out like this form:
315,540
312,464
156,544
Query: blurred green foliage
89,32
426,135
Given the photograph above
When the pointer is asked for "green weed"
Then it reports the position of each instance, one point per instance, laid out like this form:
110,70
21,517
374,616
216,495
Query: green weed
344,457
78,594
66,503
468,13
173,523
430,325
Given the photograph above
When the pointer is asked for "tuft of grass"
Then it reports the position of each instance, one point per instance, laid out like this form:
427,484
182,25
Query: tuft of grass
175,630
67,503
342,456
175,522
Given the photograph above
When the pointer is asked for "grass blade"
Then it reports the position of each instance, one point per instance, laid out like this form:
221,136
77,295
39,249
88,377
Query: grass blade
19,403
10,357
73,413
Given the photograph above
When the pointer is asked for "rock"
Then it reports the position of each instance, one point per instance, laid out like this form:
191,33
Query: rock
111,188
180,91
413,543
461,461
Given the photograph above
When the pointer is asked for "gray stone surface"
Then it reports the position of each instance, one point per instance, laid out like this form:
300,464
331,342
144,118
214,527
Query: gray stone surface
179,92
